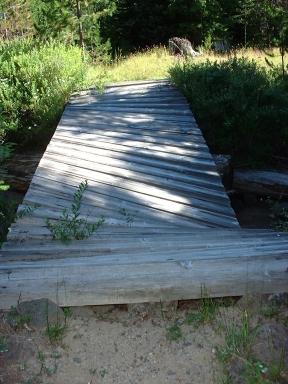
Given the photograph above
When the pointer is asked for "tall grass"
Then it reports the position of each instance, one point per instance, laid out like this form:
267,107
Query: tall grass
36,80
150,64
154,63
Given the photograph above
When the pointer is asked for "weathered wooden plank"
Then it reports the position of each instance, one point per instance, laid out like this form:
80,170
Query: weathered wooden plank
84,124
189,161
135,138
190,214
102,158
145,248
131,116
71,132
155,102
147,163
88,284
199,151
123,185
133,181
123,109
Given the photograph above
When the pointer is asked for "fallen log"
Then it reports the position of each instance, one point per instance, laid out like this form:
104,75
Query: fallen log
262,183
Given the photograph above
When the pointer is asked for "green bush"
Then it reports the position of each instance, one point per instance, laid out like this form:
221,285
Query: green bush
36,80
240,107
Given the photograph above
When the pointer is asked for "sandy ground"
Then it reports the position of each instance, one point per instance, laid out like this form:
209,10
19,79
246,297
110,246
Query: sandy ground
109,344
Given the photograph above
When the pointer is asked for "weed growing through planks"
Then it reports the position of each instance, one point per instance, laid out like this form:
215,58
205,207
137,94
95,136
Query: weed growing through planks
70,226
129,217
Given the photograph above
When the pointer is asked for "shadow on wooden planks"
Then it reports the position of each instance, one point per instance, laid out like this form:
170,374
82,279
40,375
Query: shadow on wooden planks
169,227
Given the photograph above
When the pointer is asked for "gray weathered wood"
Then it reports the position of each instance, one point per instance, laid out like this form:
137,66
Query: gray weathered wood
152,177
262,183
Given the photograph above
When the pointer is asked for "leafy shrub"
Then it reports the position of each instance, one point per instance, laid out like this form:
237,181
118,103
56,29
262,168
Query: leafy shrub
36,80
8,212
241,108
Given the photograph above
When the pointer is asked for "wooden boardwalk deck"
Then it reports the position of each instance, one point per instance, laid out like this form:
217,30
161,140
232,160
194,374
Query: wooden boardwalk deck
169,227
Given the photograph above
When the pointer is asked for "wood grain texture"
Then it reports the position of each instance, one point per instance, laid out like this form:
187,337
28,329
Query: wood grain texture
151,176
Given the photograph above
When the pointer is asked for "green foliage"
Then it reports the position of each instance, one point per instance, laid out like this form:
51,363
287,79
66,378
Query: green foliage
3,347
237,106
54,332
253,372
129,217
137,24
280,216
8,214
70,226
207,312
238,339
36,80
102,373
5,151
76,22
174,332
16,319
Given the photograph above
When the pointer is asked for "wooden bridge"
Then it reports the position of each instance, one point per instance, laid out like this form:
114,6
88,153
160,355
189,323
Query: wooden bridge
169,228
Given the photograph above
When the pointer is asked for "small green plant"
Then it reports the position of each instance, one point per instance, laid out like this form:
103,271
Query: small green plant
277,370
55,354
93,371
54,332
70,226
254,372
280,216
42,359
129,217
238,341
78,336
273,309
102,373
68,312
16,319
8,214
3,347
208,309
174,332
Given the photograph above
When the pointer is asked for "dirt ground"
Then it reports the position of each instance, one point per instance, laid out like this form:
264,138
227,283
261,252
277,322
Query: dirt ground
145,344
109,344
